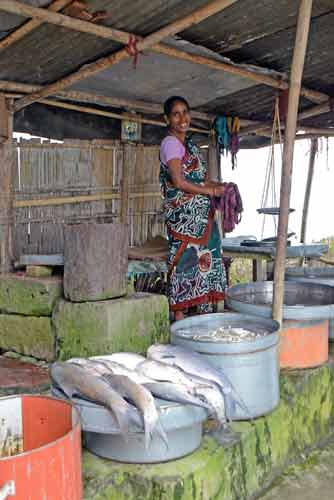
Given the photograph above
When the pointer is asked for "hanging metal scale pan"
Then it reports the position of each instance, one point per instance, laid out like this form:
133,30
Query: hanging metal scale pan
271,210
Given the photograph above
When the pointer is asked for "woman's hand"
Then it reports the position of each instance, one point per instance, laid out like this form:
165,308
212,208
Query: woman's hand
218,190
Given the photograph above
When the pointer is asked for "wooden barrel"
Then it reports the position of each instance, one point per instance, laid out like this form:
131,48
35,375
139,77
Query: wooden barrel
95,260
40,449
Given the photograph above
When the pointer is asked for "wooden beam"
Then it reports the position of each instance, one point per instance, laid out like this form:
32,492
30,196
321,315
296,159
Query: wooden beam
303,25
133,104
29,26
6,188
265,128
232,68
313,152
110,114
171,29
64,200
127,157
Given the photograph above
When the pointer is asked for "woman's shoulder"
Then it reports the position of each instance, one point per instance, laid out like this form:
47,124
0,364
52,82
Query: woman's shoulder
171,148
171,140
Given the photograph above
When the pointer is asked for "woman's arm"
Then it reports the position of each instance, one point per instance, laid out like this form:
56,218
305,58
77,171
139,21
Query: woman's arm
175,170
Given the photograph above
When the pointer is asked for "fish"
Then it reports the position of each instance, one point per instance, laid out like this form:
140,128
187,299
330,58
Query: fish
193,363
94,368
128,359
144,401
214,398
163,372
176,393
73,380
118,369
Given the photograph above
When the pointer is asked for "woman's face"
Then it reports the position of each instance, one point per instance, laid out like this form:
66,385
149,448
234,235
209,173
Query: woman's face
179,118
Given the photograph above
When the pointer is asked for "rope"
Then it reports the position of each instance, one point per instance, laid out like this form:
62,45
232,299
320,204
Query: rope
132,49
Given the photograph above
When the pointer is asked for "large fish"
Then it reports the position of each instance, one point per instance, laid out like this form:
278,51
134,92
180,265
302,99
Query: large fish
193,363
118,369
163,372
128,359
175,392
144,401
76,380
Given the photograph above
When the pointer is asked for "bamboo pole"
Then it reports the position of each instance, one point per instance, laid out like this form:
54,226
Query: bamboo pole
127,156
73,95
110,114
123,37
313,152
29,26
171,29
6,179
303,25
64,200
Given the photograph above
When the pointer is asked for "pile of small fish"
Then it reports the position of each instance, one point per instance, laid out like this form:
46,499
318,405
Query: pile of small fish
221,334
126,384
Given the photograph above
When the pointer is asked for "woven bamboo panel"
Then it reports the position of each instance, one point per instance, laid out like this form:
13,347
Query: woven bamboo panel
52,171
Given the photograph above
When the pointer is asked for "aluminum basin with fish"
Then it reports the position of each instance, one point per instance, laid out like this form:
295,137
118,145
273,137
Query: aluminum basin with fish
245,348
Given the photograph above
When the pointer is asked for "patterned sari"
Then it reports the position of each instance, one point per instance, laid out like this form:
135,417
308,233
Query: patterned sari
196,273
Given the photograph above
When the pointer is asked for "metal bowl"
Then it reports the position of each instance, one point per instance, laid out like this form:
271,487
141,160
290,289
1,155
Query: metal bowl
181,423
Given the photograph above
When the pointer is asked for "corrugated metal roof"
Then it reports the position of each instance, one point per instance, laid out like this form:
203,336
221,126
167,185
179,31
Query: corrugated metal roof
263,36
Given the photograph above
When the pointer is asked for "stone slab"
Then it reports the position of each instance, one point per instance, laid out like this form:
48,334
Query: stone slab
27,335
130,323
237,470
20,294
18,377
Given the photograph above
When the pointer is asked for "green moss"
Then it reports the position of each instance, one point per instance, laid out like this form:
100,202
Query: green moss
29,296
235,471
27,335
132,323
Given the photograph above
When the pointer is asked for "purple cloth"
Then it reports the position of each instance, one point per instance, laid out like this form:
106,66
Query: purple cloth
171,148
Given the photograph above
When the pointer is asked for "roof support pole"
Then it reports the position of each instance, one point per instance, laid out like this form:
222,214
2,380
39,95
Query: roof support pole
151,40
313,152
6,191
303,25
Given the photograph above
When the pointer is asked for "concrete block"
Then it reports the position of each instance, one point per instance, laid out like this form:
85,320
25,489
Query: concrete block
30,296
129,323
27,335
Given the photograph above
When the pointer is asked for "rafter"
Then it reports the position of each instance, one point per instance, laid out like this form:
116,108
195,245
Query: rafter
123,37
29,26
171,29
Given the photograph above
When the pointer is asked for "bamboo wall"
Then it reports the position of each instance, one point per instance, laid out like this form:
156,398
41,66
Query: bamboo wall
55,182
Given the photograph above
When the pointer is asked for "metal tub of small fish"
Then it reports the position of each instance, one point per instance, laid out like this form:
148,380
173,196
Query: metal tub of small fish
245,349
307,309
120,418
321,275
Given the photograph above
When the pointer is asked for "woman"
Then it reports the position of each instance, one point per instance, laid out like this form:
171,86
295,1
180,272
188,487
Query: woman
196,274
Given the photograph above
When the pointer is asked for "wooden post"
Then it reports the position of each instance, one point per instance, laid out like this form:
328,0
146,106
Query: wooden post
125,183
6,191
299,52
313,152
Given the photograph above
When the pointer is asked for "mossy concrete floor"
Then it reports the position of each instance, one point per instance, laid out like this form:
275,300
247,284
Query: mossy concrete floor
311,479
235,471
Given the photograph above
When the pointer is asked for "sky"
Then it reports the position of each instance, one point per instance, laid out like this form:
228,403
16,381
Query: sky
249,175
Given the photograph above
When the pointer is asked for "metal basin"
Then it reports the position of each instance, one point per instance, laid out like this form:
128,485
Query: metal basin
321,275
182,424
251,365
306,311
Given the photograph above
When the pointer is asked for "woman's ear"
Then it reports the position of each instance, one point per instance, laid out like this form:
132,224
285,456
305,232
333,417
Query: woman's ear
166,119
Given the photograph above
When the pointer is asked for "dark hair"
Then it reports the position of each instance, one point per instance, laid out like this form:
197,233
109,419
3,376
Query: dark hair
169,103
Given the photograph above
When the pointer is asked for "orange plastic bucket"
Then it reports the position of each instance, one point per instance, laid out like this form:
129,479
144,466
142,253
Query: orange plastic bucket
303,344
40,449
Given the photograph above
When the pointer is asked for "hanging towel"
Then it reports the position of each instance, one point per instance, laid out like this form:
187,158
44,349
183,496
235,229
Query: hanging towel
230,204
